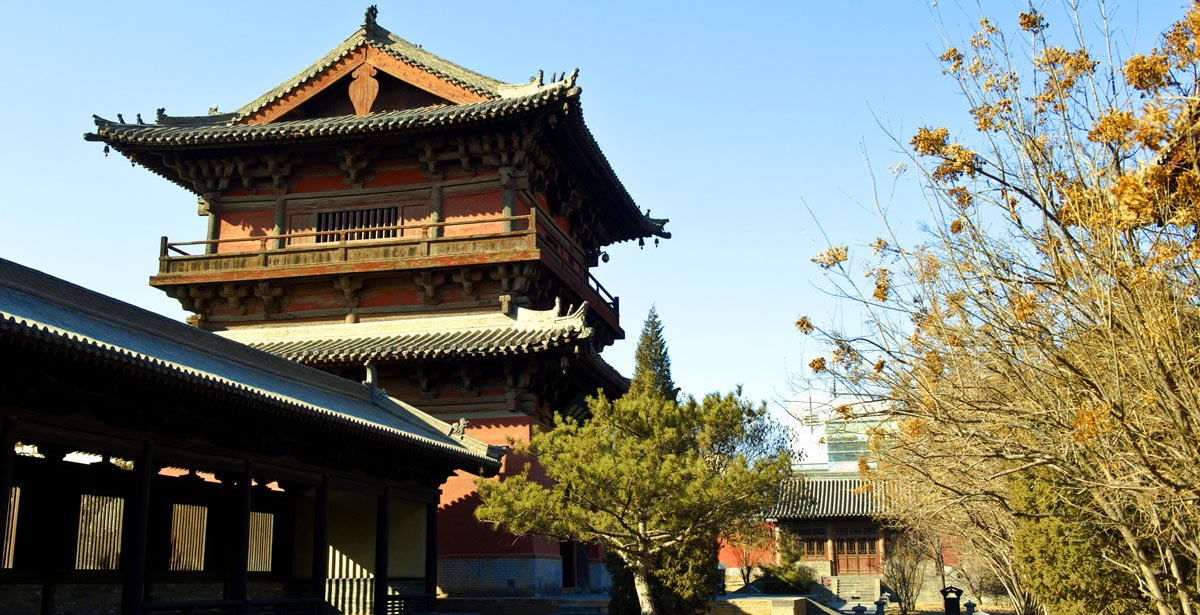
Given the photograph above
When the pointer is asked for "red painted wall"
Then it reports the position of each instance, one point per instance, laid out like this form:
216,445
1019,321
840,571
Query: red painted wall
728,554
459,534
239,224
468,207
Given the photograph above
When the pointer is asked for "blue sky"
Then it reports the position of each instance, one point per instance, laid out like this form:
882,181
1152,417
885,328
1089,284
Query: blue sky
749,125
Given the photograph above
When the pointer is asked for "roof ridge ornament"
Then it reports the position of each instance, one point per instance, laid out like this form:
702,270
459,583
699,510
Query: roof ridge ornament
372,374
369,17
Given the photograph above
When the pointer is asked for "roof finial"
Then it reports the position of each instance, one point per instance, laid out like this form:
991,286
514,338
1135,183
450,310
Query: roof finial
369,18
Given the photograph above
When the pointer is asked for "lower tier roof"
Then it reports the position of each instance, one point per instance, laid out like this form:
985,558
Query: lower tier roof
44,314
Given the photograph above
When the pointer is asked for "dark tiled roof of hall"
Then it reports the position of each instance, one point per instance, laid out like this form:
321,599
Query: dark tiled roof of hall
818,497
51,315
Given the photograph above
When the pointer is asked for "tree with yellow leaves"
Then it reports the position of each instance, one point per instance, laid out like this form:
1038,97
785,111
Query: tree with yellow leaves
1040,353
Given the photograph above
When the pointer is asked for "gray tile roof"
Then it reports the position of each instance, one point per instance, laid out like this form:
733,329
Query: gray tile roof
814,497
429,338
52,315
176,133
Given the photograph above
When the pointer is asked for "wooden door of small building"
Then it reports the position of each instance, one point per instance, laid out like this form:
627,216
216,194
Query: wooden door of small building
856,551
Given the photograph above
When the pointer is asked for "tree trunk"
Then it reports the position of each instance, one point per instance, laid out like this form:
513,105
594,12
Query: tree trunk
641,586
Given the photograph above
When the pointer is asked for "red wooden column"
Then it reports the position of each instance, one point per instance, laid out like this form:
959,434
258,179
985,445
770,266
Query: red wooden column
8,441
133,538
320,557
382,533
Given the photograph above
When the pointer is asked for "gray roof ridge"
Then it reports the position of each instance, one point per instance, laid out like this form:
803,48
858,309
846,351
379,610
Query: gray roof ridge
473,444
341,50
409,412
380,38
434,64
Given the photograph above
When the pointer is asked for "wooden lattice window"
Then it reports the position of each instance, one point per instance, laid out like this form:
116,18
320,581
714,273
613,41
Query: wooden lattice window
262,529
10,529
99,540
350,221
857,541
189,529
810,542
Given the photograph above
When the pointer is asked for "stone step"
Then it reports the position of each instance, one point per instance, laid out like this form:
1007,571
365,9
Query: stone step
857,589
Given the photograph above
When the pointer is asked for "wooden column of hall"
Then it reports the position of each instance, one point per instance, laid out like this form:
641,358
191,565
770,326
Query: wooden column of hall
382,533
56,517
8,443
239,581
320,543
133,538
431,531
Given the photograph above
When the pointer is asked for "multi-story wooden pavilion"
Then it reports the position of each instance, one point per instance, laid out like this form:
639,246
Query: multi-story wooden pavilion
147,466
387,205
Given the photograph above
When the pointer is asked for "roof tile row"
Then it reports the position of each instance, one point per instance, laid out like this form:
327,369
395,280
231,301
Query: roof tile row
821,497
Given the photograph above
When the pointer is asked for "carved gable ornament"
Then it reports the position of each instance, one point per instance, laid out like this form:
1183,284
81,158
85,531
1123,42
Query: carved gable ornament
357,76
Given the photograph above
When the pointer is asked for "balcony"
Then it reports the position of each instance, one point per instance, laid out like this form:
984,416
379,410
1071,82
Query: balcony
405,247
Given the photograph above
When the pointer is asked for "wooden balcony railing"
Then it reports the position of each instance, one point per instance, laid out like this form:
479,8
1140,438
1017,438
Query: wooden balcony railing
424,244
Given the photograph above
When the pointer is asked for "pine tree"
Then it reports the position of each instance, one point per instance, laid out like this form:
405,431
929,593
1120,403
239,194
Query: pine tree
655,479
688,588
652,368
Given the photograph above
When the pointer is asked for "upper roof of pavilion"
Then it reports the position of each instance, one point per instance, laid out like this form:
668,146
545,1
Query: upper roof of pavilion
47,315
419,93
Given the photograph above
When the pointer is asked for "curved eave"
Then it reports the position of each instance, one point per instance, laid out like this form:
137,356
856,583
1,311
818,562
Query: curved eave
448,345
41,338
130,138
440,354
615,383
639,225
